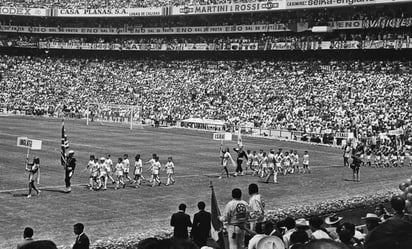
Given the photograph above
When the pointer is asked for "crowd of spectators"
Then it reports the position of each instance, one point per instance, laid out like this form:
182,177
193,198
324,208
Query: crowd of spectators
295,95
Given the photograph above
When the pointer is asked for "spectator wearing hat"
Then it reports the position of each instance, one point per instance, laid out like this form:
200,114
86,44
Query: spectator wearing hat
69,167
260,233
318,232
371,221
303,225
27,237
333,222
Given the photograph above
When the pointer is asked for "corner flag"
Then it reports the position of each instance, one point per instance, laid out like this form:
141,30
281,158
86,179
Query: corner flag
64,145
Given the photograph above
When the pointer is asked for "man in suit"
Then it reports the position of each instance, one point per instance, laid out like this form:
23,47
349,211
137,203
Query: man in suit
27,237
82,241
201,225
180,221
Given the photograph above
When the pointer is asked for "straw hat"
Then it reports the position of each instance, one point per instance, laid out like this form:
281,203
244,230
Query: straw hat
333,219
270,242
302,223
371,217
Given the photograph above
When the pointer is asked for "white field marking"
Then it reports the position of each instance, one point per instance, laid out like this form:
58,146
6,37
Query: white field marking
45,187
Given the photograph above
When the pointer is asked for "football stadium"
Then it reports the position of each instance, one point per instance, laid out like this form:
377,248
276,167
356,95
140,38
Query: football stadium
289,120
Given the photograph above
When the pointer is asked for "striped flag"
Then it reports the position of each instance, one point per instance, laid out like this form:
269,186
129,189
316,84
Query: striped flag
64,145
217,225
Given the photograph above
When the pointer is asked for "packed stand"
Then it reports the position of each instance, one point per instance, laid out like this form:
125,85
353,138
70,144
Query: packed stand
363,96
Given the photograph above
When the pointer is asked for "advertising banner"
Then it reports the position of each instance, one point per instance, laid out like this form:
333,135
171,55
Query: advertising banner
145,31
228,8
124,12
16,11
233,46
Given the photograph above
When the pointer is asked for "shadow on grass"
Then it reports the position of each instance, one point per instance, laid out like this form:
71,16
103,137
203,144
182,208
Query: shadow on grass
19,195
348,180
54,190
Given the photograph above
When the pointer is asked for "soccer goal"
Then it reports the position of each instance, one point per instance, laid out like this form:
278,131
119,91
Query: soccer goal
112,114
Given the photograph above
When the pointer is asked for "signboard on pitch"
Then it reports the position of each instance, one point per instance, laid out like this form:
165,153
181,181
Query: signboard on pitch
222,136
25,142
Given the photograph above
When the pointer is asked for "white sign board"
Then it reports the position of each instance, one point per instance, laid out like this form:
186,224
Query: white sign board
29,143
222,136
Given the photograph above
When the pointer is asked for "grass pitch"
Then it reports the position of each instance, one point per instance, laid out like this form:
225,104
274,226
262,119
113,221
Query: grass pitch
130,211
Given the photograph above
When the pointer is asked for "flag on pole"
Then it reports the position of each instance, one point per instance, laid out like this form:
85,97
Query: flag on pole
217,225
64,145
239,137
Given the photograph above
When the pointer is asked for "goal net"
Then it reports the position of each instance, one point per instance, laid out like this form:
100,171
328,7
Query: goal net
114,115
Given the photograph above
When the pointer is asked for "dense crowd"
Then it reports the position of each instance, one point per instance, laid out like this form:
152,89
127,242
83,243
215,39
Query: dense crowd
366,96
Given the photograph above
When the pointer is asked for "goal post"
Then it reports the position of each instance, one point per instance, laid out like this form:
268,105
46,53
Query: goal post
113,114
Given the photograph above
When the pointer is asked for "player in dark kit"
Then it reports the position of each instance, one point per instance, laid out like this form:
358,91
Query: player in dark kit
356,163
241,155
69,167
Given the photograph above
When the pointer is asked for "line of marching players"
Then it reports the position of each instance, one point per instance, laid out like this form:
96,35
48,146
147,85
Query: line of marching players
101,170
263,164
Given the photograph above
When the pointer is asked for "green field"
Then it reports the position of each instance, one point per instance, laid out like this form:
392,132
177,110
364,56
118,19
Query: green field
131,211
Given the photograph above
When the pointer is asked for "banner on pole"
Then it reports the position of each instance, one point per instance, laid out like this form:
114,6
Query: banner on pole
25,142
222,136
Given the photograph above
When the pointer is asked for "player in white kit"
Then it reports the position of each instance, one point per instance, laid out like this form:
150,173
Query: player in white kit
155,168
109,163
151,162
103,171
306,162
170,171
138,171
126,167
118,172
